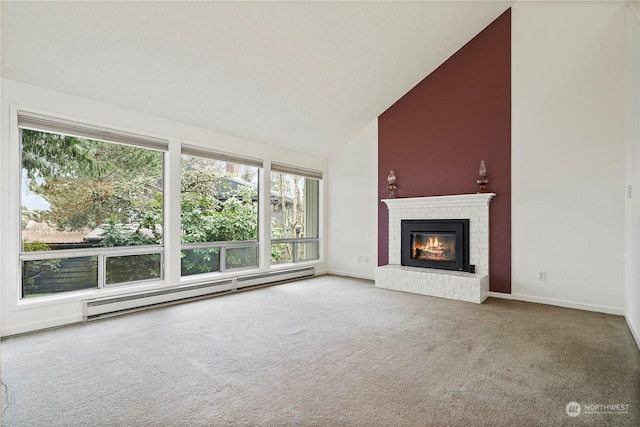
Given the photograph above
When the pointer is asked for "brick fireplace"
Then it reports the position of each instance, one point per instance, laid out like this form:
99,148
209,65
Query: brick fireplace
459,285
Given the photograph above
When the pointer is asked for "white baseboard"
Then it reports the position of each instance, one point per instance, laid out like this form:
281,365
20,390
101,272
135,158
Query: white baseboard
36,326
560,303
354,275
634,332
320,272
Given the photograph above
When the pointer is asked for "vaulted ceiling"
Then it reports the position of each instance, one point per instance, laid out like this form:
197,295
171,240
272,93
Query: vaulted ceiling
304,75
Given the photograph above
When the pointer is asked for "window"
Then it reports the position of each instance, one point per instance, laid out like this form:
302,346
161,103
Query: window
294,214
91,206
92,209
219,214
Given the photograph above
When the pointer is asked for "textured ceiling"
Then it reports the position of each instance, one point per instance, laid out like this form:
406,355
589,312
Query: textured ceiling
303,75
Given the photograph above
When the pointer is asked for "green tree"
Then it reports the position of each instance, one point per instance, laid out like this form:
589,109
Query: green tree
216,206
46,155
87,182
213,210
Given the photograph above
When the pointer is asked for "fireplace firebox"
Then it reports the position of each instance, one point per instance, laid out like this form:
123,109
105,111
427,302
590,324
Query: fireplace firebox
435,243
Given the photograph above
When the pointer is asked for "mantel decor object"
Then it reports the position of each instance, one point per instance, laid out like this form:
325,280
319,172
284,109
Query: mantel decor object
392,184
482,178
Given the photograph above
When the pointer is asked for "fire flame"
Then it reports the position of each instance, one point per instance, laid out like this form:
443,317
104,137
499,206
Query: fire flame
433,245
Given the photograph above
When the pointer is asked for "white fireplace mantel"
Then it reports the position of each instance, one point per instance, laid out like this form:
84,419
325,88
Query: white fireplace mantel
458,199
472,287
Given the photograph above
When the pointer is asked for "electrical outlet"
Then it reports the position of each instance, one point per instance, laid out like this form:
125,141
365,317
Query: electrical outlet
542,275
366,259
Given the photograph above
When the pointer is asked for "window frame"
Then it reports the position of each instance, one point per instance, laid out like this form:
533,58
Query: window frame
209,154
305,173
35,121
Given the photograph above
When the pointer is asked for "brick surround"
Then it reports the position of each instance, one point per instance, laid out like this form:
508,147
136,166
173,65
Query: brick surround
471,287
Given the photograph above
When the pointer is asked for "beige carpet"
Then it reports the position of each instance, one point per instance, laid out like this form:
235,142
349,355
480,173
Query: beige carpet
328,351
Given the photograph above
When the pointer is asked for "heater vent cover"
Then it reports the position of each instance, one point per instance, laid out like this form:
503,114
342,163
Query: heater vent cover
107,307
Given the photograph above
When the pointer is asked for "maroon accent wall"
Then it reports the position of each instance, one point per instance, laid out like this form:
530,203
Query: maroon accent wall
435,136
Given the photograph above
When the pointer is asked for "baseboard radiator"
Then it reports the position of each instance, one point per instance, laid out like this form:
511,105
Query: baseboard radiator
107,307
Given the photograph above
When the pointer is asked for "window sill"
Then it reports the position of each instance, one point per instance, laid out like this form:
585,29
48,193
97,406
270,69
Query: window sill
77,296
195,279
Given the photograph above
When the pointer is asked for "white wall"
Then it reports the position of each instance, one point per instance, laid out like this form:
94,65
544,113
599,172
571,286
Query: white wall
33,314
568,153
3,237
353,206
632,222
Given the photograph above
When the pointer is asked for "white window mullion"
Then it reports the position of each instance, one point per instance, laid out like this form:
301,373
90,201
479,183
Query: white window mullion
264,217
223,258
102,271
172,208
